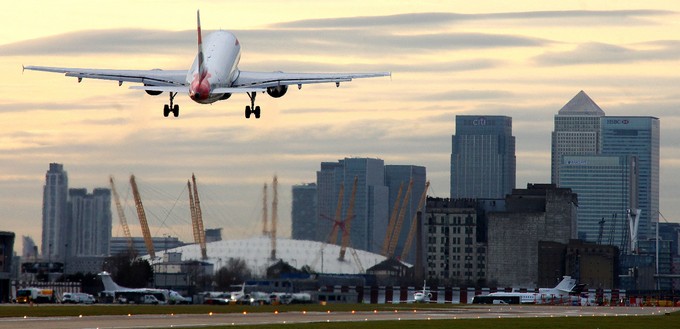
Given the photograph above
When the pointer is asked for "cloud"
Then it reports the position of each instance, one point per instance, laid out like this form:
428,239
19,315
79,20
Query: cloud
568,17
465,95
300,42
602,53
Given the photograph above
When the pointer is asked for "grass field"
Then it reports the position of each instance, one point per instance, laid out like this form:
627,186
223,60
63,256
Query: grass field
640,322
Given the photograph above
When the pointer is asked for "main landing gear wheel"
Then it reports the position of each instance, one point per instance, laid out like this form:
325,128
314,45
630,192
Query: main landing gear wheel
167,109
252,109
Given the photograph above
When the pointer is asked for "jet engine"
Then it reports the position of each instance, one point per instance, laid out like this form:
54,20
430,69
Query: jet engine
277,91
225,96
152,92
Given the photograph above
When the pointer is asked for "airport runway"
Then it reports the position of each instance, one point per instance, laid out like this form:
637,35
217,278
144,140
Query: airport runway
401,313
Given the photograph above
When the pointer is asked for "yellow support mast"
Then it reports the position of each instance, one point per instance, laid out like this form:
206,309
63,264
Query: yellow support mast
199,220
142,218
414,223
121,215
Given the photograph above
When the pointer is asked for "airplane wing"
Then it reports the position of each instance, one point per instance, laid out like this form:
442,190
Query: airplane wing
273,79
154,77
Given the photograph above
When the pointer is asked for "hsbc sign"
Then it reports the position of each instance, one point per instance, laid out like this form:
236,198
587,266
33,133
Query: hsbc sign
617,121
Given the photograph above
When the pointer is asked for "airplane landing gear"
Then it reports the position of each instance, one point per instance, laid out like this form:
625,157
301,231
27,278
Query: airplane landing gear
171,108
252,109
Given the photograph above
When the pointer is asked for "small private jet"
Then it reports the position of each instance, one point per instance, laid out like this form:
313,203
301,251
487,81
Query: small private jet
566,291
213,76
419,296
136,295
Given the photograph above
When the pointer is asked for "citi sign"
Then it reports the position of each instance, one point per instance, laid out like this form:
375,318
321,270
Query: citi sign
479,122
617,121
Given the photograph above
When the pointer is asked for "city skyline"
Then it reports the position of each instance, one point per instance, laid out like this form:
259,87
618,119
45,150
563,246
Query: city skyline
522,60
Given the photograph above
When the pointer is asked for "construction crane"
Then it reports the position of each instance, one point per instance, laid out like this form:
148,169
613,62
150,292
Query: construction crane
394,236
337,220
121,216
414,223
392,221
275,205
348,221
264,210
142,218
601,231
198,221
613,229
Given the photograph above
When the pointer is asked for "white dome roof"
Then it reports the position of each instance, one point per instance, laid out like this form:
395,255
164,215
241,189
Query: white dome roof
256,252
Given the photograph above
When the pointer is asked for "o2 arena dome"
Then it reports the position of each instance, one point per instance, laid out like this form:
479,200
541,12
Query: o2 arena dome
320,257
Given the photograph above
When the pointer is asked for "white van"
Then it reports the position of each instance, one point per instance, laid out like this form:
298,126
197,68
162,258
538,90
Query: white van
77,298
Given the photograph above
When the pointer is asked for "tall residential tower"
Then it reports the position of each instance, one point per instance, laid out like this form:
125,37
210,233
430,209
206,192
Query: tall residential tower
54,213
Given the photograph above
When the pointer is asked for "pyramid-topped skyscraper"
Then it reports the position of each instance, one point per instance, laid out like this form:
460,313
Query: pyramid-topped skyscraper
577,131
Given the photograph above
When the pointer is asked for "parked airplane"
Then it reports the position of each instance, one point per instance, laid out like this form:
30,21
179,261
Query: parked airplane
562,293
214,76
136,295
420,296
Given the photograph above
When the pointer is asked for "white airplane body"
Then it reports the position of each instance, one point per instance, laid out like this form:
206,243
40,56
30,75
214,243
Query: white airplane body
112,287
214,76
419,296
559,292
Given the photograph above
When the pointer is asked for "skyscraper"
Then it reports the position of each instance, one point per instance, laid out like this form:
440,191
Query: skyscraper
89,227
303,212
577,131
482,157
582,129
369,220
606,187
54,213
640,137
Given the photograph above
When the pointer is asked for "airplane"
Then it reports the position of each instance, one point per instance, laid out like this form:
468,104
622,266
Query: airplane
562,291
163,295
213,76
420,296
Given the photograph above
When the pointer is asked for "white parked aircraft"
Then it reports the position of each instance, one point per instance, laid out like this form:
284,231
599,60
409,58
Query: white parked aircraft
135,294
419,296
560,293
214,76
422,296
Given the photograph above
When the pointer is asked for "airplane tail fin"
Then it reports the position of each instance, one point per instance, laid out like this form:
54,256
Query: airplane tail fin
109,285
566,285
201,57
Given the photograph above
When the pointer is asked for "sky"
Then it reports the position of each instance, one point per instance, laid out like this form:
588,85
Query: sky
521,59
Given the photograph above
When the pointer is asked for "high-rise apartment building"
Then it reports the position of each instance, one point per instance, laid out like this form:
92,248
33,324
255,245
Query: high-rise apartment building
89,225
369,219
303,212
483,161
640,137
75,223
577,131
55,213
454,253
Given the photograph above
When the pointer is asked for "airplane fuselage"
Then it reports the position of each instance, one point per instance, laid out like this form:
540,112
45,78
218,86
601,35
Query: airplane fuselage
221,53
